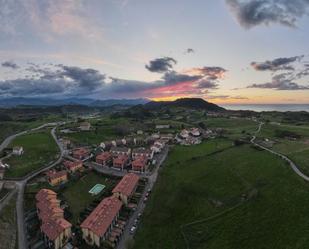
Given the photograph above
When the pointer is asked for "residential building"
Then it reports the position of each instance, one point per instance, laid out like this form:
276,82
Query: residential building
72,167
195,132
98,226
126,187
81,153
120,162
104,158
116,151
106,145
85,126
142,152
140,164
157,146
18,150
55,229
56,177
163,126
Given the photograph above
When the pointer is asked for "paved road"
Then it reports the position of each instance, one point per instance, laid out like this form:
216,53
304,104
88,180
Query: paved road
291,163
21,183
152,178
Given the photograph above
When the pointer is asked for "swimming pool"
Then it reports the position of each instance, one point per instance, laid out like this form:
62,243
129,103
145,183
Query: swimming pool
96,189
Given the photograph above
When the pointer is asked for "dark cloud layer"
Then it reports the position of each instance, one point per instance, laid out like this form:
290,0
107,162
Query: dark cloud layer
10,64
59,79
251,13
276,64
161,65
291,69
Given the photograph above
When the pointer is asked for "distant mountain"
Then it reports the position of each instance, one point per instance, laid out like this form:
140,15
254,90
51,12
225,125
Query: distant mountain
13,102
189,103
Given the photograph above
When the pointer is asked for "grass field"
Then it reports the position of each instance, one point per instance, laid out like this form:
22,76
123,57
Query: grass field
8,229
39,149
76,193
297,150
271,202
235,127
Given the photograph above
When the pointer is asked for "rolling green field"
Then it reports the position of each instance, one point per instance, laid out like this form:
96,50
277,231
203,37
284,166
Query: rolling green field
39,150
297,150
242,198
76,193
234,127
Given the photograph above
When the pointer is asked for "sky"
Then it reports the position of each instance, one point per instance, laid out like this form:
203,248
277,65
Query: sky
225,51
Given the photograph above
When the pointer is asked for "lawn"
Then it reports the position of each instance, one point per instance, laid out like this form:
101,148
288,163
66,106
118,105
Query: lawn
8,229
235,127
297,150
76,193
39,150
270,202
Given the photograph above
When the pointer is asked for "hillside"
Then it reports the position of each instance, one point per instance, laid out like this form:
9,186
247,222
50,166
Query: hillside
189,103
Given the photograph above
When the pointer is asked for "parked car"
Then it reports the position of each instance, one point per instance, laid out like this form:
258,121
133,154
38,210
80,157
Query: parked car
135,222
139,216
133,229
145,199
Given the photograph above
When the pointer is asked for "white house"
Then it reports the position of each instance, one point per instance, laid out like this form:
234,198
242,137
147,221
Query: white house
18,150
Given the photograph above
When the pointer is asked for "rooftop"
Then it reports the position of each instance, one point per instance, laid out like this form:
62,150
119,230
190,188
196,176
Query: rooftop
127,184
102,216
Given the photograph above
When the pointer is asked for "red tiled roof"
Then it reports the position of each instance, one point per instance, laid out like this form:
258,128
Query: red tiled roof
127,184
81,151
102,216
71,165
104,156
139,162
121,159
56,174
50,213
52,228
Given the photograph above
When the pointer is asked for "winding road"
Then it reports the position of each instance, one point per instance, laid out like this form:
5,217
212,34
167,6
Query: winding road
21,183
291,163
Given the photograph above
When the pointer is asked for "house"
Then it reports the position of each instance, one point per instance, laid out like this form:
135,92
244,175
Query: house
126,187
81,153
85,126
106,145
167,137
120,161
56,177
163,126
116,151
18,150
184,133
104,158
72,167
55,229
195,132
157,146
142,152
97,227
139,164
139,132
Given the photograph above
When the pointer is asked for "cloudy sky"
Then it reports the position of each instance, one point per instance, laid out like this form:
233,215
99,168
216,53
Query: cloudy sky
226,51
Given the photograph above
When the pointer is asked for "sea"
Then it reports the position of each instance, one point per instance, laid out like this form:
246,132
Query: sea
269,107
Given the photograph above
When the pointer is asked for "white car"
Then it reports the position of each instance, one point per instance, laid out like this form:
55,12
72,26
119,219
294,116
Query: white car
133,229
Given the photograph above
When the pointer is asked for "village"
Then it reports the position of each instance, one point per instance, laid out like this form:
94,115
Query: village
129,168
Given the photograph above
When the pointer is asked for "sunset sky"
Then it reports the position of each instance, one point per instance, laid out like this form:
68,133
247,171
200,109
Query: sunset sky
225,51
